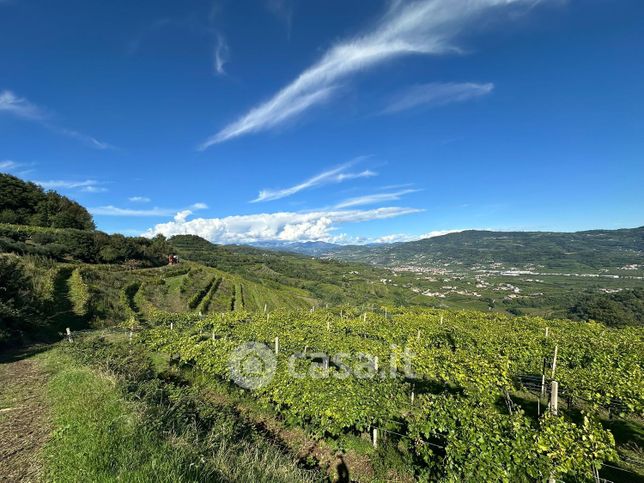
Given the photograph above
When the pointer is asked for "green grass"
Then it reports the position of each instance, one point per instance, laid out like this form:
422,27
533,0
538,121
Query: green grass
103,433
98,434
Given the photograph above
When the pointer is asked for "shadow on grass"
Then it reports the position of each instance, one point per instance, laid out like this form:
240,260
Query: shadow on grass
8,356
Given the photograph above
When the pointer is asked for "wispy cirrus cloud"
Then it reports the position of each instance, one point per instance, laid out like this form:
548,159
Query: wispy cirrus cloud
94,189
437,94
375,198
86,186
111,210
22,108
90,141
284,226
139,199
283,10
420,27
222,54
18,169
8,165
179,213
335,175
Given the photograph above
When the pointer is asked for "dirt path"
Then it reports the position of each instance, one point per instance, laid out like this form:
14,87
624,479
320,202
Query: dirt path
24,422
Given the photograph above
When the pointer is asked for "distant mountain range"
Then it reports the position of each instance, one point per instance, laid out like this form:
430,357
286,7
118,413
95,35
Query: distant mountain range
313,248
584,250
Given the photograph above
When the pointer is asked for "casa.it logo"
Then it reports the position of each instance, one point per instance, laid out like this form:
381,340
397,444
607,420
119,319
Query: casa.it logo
252,365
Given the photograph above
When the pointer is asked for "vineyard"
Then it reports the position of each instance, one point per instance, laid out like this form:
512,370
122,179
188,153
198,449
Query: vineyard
426,393
466,393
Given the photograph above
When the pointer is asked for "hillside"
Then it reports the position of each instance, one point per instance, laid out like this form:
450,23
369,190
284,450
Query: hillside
586,250
67,274
328,281
585,275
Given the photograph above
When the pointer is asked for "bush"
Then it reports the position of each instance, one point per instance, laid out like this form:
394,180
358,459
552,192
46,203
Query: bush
82,245
18,305
623,308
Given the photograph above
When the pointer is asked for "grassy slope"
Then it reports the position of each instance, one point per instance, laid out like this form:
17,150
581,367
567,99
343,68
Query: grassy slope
103,433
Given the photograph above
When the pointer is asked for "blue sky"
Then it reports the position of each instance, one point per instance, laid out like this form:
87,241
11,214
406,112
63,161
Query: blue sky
346,121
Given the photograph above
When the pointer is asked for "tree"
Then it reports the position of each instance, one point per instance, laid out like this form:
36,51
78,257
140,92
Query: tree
623,308
25,203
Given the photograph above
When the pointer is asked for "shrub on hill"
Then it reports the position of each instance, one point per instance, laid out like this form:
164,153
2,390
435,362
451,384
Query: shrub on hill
623,308
82,245
18,312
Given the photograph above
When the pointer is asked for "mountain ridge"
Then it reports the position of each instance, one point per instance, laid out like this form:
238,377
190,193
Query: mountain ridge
591,249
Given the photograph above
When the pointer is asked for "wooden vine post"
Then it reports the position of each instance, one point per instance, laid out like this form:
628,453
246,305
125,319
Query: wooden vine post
277,345
554,398
543,375
69,334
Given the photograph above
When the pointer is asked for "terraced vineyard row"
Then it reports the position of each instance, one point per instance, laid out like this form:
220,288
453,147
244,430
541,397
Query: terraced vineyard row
118,295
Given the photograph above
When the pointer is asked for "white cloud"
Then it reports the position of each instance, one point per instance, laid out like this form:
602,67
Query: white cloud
335,175
374,198
20,107
419,27
90,141
8,165
94,189
222,54
284,226
180,214
17,169
111,210
437,94
87,186
139,199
